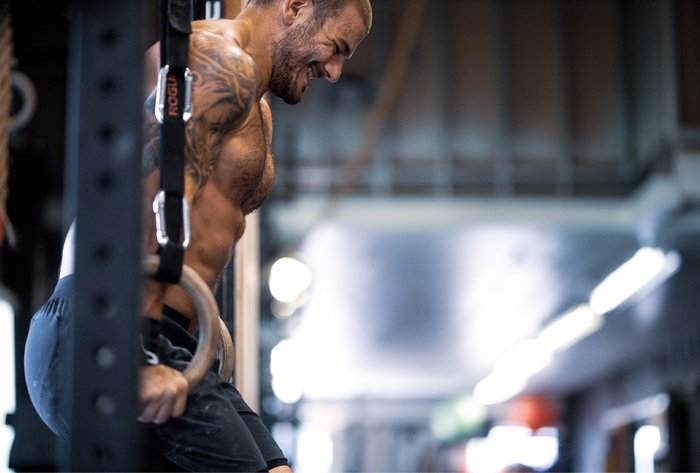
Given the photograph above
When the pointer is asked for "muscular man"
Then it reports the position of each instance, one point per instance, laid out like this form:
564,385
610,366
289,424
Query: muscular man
273,45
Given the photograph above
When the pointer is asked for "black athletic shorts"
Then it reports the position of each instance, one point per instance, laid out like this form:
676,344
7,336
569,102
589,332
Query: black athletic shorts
217,432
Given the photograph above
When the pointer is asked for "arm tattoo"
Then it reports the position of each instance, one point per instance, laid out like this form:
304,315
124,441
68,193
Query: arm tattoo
223,95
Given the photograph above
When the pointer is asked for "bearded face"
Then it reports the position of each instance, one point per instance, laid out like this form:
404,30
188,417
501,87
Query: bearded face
291,58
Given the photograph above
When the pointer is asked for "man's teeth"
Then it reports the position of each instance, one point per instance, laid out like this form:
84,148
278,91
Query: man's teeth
310,72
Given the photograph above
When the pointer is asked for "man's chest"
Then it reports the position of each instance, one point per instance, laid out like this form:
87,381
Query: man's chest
245,159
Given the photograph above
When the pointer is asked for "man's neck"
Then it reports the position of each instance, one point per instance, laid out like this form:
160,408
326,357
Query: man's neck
256,31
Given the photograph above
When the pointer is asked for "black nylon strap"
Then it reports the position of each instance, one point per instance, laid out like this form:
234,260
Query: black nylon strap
176,25
176,17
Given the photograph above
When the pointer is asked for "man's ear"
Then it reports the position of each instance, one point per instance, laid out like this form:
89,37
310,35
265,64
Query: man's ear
293,10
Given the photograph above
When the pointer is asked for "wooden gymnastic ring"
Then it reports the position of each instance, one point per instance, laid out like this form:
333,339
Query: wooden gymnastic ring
207,313
225,352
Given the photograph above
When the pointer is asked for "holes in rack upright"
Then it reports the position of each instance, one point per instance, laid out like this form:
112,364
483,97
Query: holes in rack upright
103,253
105,404
108,38
104,305
107,85
106,133
105,356
97,452
104,181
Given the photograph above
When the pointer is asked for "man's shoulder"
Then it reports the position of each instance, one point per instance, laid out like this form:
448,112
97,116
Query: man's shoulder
220,64
217,39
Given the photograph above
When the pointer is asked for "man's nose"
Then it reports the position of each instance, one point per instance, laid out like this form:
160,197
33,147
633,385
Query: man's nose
332,70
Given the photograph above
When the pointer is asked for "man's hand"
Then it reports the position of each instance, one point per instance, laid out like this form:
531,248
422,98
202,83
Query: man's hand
281,469
162,393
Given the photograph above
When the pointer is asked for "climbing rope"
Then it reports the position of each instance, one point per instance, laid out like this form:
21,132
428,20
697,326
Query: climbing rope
6,61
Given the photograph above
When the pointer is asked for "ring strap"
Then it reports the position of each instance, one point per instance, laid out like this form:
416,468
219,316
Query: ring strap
176,18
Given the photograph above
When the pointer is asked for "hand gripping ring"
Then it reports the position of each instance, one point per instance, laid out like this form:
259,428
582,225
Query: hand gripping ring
207,313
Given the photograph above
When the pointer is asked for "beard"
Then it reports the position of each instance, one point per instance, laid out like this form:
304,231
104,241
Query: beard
289,57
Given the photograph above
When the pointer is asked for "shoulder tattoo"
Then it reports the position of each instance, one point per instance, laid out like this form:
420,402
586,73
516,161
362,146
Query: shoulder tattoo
223,93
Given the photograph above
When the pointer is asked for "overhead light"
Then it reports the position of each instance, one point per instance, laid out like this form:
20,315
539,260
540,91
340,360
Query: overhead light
508,445
287,389
289,279
525,358
314,450
645,270
282,310
286,371
497,387
648,268
512,371
647,440
570,328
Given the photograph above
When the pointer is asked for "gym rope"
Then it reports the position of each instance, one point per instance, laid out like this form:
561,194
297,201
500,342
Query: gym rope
6,61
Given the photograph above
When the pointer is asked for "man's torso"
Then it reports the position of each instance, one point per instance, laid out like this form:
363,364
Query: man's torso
229,165
229,162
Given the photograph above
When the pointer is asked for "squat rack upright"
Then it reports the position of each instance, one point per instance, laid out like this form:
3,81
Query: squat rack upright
103,192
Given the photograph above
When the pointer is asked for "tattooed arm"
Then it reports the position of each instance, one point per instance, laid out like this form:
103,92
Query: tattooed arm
223,96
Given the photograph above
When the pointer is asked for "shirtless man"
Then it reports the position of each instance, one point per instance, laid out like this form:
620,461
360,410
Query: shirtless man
275,46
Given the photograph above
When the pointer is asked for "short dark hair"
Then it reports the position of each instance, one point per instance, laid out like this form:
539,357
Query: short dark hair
324,9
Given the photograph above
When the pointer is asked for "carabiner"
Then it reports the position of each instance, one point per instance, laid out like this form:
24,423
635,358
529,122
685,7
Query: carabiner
161,232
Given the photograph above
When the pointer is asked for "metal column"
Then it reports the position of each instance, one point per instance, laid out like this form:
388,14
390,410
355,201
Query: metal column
104,192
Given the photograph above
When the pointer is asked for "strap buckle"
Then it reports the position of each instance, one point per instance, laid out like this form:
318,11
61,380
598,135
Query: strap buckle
161,232
167,93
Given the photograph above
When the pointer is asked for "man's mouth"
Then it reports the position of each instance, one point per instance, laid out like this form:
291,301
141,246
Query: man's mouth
313,71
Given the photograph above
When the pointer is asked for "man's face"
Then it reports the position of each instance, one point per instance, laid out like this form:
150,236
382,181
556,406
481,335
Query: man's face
290,55
310,50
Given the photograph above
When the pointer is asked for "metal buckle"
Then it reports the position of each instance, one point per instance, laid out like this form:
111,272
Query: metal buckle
161,91
159,210
187,110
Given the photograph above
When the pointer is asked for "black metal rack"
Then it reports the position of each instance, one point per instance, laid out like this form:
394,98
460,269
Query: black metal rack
104,185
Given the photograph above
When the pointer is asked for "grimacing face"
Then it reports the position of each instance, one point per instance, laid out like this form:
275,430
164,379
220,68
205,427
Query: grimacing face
313,49
290,55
